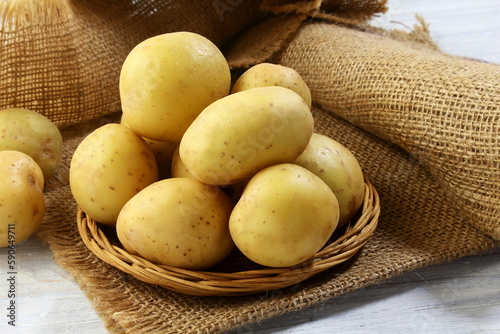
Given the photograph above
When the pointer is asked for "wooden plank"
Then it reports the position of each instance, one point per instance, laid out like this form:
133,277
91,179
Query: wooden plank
462,296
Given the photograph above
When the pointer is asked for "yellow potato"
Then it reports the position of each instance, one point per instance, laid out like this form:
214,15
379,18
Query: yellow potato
235,190
32,133
163,152
179,222
22,204
109,167
178,168
167,80
285,215
268,74
339,169
238,135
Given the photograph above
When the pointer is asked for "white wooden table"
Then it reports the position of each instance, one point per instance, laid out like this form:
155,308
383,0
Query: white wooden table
458,297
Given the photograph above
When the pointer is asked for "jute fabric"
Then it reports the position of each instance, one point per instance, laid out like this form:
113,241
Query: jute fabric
424,126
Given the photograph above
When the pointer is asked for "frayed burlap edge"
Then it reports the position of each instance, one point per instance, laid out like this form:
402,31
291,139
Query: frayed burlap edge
264,40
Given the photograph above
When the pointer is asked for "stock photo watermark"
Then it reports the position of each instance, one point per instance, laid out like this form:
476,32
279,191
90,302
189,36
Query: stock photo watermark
11,275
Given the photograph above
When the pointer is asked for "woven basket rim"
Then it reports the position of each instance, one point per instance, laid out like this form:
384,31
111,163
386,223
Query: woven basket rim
239,282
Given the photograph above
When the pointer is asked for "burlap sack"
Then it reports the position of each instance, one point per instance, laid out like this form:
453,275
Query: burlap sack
62,57
443,110
404,121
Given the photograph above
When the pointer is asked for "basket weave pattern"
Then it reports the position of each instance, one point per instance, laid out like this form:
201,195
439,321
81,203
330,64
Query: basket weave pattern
236,275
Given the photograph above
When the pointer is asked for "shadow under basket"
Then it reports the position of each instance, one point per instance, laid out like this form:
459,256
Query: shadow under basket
235,275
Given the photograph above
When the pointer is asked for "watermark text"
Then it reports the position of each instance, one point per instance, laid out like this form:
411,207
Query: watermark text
11,275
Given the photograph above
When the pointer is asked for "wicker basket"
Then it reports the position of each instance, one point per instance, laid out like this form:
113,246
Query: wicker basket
236,275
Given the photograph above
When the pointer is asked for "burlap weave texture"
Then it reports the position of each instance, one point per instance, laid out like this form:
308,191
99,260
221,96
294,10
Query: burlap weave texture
414,231
424,126
443,110
62,58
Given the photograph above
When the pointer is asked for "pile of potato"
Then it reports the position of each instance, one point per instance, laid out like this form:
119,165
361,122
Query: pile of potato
30,155
199,166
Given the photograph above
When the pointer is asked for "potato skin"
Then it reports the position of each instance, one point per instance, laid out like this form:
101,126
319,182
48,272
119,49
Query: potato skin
339,168
285,215
163,152
268,74
178,168
167,80
34,134
179,222
238,135
108,167
22,204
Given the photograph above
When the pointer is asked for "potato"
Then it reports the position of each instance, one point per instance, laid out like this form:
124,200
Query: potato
238,135
268,74
285,215
167,80
178,168
108,167
22,204
164,153
179,222
32,133
235,190
339,168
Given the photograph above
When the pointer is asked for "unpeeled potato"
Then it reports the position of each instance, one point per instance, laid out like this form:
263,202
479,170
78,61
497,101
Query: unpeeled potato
285,215
34,134
179,222
178,168
269,74
242,133
337,166
109,167
163,152
167,80
22,204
